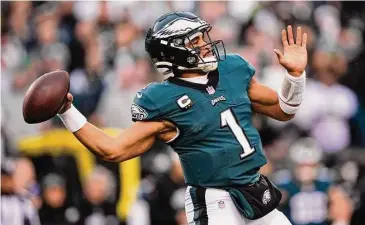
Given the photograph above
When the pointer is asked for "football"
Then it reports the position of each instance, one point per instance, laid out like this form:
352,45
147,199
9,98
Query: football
46,96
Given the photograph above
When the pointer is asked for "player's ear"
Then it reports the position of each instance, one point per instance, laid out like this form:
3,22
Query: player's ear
70,97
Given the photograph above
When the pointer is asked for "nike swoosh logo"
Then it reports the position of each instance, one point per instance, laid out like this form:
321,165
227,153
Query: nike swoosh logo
139,95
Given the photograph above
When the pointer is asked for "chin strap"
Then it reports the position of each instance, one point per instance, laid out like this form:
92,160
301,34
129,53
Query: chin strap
177,72
167,69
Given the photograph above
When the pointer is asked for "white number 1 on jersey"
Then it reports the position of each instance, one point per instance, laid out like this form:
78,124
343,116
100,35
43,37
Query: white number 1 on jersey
229,119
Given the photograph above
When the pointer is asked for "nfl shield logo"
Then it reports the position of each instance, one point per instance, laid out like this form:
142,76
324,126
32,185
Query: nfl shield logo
221,204
210,90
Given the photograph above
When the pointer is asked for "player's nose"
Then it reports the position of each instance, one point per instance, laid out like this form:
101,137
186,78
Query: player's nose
205,51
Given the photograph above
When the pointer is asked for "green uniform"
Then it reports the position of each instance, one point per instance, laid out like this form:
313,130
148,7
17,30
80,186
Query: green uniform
218,144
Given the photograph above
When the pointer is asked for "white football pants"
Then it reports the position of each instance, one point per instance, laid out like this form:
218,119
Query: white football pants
217,207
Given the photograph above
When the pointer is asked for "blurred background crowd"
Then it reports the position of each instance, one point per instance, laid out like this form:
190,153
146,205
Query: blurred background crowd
47,177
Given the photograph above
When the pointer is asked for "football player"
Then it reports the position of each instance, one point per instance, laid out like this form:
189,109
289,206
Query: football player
203,110
309,197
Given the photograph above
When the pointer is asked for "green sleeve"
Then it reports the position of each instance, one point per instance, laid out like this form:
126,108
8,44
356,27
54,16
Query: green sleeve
244,65
144,109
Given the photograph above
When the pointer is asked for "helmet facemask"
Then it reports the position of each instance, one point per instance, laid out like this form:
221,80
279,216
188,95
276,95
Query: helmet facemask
215,51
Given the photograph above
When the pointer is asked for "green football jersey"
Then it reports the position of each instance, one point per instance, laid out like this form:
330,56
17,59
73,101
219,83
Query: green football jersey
217,144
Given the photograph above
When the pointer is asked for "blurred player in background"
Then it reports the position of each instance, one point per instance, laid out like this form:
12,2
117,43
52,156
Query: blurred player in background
309,197
203,109
161,198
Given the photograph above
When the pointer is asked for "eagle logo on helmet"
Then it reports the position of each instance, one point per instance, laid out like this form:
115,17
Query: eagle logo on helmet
178,27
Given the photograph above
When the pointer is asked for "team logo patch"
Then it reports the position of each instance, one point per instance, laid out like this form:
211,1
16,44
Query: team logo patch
221,204
185,102
266,197
138,113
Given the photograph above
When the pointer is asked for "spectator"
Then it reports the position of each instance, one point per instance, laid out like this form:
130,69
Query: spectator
87,83
55,210
24,181
308,190
132,73
97,207
50,53
162,198
19,198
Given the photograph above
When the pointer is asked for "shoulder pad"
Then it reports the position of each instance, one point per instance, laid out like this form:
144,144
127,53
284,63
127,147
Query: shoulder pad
143,108
235,61
147,103
154,91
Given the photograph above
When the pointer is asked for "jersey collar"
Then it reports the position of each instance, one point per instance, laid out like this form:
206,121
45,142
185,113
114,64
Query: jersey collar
213,79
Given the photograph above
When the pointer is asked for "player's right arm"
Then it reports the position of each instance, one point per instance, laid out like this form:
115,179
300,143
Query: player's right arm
130,143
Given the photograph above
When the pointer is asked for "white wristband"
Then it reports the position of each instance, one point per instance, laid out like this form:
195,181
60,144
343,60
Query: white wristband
288,109
291,93
73,119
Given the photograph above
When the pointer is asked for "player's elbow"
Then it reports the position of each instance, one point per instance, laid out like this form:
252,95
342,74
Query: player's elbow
112,157
112,152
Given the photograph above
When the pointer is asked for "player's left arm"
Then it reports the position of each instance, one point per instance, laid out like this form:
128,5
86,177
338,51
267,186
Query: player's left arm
265,101
283,104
